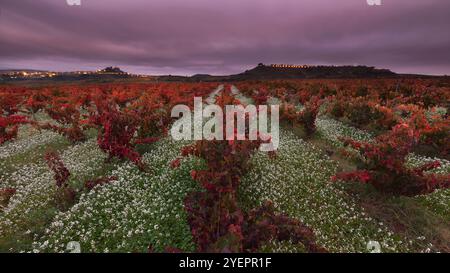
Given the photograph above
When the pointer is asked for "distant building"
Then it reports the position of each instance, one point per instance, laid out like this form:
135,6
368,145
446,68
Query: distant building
111,70
303,66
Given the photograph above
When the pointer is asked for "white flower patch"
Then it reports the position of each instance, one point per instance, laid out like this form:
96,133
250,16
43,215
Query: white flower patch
138,210
298,182
25,144
438,201
331,130
416,161
35,184
440,111
28,138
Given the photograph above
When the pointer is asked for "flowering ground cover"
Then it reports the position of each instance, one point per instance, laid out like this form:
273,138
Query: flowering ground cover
95,165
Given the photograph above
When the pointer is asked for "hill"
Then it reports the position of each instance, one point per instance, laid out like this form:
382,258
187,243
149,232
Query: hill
271,72
260,72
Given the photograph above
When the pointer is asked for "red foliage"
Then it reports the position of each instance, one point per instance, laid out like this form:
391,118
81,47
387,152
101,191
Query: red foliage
261,96
9,103
61,173
362,176
5,196
370,106
305,118
263,224
363,113
136,117
65,194
217,223
175,163
9,126
385,165
35,102
434,132
90,184
308,116
69,118
116,132
147,140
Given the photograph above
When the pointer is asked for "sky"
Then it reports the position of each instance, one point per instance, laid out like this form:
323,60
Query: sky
219,37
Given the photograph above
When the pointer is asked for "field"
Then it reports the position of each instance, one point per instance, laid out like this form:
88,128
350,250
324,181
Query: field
362,166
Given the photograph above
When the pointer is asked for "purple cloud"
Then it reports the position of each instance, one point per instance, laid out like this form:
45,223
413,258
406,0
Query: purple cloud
222,37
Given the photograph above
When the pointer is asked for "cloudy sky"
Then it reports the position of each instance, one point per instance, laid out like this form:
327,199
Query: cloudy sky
224,36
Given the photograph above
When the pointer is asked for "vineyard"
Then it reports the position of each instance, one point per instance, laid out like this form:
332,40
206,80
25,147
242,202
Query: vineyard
359,161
